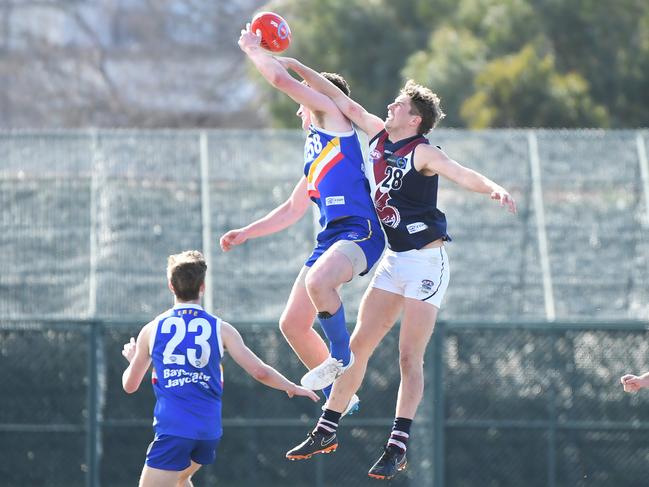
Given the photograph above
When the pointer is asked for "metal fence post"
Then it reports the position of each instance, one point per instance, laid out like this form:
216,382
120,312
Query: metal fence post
95,186
439,337
644,170
319,472
206,219
552,413
539,211
552,441
92,425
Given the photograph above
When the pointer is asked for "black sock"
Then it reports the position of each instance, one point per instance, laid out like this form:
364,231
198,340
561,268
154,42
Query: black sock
400,434
328,422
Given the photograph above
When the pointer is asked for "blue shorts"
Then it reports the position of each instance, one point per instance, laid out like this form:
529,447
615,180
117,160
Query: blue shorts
368,234
168,452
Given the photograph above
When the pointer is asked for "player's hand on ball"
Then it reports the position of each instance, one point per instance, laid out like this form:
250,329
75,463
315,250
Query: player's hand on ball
301,391
631,383
248,39
232,239
273,29
129,350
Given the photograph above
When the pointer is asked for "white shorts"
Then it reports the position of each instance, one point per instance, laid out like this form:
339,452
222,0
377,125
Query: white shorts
418,274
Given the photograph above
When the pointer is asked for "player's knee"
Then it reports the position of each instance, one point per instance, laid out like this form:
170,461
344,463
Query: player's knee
321,279
360,349
285,327
411,363
291,329
315,282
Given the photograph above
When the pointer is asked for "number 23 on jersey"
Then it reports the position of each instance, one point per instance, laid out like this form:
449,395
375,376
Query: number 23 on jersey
180,330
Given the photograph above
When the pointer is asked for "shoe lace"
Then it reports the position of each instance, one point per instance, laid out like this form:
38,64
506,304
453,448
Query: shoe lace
332,367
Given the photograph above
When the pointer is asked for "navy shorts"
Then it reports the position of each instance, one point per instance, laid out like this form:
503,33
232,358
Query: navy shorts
168,452
367,233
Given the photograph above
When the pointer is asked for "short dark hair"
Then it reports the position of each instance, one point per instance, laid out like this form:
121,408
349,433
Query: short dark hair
186,272
424,103
339,81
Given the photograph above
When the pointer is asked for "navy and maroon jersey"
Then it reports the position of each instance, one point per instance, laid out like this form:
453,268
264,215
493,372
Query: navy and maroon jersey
405,200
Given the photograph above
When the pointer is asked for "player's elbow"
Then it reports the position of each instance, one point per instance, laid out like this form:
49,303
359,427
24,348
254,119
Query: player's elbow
129,387
295,212
352,111
261,373
280,80
346,106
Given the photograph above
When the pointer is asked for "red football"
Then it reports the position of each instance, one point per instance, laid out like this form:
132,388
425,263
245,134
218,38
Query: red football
275,32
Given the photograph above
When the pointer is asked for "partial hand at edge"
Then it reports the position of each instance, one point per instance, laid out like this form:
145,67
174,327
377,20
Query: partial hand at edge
301,391
631,383
249,41
232,239
505,199
129,350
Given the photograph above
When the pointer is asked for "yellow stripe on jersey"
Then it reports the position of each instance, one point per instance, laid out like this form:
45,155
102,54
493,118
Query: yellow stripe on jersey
327,158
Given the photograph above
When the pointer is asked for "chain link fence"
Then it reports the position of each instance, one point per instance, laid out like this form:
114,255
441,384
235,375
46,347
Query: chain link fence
545,309
88,219
506,404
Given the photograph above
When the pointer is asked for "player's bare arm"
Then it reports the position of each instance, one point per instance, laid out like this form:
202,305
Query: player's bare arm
430,160
278,219
366,121
633,383
137,353
277,75
256,367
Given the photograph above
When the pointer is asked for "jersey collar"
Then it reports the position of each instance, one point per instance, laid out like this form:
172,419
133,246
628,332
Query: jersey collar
187,305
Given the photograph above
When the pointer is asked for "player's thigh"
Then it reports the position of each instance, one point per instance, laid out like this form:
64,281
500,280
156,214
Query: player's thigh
377,314
154,477
425,274
417,326
299,311
332,269
355,253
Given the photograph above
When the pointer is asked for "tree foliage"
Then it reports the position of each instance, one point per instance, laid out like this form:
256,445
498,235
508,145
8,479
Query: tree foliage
361,40
175,63
449,65
525,89
495,63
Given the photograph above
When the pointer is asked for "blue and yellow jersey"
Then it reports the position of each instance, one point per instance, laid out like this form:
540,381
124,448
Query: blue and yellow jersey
333,166
186,350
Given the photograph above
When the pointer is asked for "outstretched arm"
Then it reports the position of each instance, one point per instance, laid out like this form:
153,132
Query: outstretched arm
633,383
137,353
277,75
278,219
256,367
431,160
367,122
